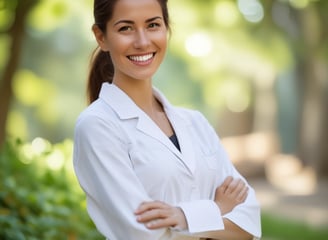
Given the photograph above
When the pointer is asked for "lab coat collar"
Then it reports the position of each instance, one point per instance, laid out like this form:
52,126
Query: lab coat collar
124,106
119,101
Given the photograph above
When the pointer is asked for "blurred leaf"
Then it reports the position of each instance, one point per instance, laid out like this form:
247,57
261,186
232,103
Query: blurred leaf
37,202
17,125
29,88
7,13
49,14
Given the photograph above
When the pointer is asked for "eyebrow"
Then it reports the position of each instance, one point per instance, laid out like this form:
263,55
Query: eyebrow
131,22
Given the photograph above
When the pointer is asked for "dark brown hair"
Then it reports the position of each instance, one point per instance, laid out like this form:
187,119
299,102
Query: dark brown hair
102,69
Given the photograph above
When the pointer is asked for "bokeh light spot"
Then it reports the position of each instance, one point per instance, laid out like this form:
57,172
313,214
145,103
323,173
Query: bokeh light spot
55,160
40,145
28,88
198,45
251,9
299,3
226,13
17,125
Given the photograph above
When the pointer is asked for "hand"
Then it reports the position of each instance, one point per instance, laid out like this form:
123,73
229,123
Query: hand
158,214
231,193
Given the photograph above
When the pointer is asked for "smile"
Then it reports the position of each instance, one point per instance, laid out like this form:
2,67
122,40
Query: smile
143,58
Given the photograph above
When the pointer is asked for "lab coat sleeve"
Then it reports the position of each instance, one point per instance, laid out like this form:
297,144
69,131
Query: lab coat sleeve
104,171
204,215
245,215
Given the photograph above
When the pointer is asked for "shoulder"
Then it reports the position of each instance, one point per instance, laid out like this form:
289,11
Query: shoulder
96,111
195,117
201,128
97,117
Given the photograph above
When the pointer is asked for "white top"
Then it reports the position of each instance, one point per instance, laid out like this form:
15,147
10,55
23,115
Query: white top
122,158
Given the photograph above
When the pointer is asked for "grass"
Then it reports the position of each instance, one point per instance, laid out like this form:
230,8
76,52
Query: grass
274,228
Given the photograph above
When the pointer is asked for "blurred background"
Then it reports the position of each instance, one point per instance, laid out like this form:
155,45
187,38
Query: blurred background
258,70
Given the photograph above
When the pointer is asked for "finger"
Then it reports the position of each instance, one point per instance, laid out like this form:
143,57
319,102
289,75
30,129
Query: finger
232,186
225,185
174,217
160,223
242,195
240,185
146,206
153,214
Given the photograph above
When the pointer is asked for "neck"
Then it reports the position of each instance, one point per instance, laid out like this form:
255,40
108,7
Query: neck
141,93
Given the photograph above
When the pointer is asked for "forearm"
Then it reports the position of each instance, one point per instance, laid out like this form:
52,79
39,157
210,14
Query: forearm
231,232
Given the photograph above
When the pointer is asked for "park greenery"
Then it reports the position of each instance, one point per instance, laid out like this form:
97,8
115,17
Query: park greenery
260,65
40,198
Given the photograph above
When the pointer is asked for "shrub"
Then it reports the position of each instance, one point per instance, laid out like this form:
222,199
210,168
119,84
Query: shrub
39,195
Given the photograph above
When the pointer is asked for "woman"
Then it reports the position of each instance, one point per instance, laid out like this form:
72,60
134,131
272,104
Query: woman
151,171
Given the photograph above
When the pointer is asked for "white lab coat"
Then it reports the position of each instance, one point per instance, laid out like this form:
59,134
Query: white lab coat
122,158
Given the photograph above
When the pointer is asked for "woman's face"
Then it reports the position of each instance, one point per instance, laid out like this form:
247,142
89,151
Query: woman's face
136,38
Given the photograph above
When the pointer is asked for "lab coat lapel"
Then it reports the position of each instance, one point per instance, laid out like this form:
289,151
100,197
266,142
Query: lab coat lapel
148,127
127,109
181,127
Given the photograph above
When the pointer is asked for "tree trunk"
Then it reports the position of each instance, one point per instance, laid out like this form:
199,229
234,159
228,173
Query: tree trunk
16,33
323,163
313,121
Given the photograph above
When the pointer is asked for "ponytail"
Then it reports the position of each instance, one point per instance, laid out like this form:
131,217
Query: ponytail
101,70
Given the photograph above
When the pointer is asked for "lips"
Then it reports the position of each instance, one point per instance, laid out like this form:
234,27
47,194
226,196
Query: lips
142,58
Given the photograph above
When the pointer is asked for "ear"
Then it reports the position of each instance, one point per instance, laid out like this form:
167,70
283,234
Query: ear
100,37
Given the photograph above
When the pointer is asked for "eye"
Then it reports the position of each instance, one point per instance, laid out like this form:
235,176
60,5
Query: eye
154,25
125,29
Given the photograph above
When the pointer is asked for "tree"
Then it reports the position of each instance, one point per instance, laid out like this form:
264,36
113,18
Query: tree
15,30
297,26
291,36
313,75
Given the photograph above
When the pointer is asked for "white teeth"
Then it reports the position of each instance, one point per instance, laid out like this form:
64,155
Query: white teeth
141,58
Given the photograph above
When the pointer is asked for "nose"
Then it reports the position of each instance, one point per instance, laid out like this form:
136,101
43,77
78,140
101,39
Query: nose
142,40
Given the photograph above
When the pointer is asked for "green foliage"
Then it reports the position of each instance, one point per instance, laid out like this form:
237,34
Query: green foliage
277,228
41,199
39,196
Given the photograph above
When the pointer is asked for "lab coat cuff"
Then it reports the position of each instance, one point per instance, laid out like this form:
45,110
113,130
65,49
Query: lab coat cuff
202,216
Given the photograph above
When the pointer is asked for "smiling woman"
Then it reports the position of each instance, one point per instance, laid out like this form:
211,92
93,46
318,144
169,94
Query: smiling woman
151,170
136,39
124,29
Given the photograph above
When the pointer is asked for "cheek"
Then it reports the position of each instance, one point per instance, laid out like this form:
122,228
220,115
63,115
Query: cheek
118,45
164,43
161,40
117,53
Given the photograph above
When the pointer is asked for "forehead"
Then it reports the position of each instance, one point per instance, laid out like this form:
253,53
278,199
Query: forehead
136,9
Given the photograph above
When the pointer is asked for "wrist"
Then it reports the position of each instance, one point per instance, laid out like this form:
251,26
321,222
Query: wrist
223,210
